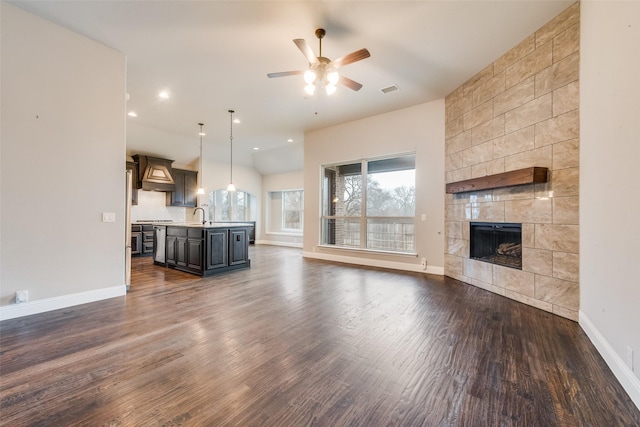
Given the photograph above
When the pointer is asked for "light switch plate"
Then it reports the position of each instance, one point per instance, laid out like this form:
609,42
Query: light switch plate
108,217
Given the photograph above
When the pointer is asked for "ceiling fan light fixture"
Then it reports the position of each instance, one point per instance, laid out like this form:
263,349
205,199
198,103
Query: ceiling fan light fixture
309,76
333,77
310,88
330,89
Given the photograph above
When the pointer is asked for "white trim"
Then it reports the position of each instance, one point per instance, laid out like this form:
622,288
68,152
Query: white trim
48,304
622,372
283,233
275,243
371,251
375,263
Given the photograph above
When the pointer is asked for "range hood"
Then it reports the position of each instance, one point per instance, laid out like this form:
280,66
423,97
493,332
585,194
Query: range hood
154,174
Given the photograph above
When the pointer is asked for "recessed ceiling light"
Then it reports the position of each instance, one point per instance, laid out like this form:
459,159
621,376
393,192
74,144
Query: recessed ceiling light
164,94
132,114
289,140
256,148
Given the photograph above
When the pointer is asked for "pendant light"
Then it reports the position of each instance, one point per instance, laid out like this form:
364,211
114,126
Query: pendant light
231,187
201,187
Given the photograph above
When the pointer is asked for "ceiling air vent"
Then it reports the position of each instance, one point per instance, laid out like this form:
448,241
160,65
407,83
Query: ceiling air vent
389,89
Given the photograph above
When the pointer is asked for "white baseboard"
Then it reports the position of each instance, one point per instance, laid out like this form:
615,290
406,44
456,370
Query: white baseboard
274,243
622,372
375,263
48,304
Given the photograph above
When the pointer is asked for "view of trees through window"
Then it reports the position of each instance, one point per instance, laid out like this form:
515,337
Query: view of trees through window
292,210
386,187
231,206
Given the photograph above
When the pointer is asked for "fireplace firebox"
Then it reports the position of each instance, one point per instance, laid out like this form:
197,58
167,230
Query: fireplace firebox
497,243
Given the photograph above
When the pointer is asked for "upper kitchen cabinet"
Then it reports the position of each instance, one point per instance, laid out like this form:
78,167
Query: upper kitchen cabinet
133,167
185,191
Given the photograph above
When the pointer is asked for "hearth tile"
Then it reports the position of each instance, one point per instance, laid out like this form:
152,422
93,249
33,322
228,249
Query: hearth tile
560,128
566,154
566,266
488,130
566,98
488,212
458,247
556,291
488,287
479,79
563,238
458,107
514,280
542,157
478,270
566,210
559,74
491,167
512,56
530,65
514,97
453,265
453,161
480,114
455,229
529,210
458,142
565,182
514,142
542,305
559,24
517,192
528,114
458,175
453,127
528,235
457,212
565,312
489,89
538,261
477,154
566,42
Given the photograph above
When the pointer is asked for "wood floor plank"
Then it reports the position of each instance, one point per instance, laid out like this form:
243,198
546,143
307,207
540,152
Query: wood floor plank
295,342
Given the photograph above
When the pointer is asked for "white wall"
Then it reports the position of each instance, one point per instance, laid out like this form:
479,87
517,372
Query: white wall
63,151
609,183
419,128
278,182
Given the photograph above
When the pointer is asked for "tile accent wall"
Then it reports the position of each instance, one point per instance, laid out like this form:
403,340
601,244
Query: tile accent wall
521,111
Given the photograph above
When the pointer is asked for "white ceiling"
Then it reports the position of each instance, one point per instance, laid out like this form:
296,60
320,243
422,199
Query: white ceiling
214,56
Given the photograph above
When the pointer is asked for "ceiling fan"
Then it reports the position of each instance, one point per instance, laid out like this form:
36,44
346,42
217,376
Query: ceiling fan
322,71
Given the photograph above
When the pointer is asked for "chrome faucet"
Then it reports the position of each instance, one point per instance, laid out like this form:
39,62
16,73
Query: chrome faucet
203,214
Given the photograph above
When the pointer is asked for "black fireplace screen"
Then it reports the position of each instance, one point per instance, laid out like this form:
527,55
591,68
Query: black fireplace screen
497,243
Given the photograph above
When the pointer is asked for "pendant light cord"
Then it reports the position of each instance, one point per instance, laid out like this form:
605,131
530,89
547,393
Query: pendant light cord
231,147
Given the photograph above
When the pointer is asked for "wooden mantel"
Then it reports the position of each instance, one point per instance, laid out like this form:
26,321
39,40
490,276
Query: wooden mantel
530,175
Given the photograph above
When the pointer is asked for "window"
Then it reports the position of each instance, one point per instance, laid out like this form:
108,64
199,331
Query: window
370,204
285,211
292,210
231,206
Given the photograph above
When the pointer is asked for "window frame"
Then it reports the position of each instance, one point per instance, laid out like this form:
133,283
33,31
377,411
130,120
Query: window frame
283,226
363,219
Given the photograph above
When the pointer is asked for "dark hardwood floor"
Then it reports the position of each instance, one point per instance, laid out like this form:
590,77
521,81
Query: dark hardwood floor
294,342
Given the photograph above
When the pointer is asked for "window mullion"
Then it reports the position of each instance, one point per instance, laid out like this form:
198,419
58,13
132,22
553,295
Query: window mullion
363,210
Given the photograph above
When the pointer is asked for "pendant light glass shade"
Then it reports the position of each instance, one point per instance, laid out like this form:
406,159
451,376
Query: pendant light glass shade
200,188
231,187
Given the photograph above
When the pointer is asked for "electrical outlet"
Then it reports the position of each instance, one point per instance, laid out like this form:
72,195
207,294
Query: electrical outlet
108,217
22,296
424,263
630,358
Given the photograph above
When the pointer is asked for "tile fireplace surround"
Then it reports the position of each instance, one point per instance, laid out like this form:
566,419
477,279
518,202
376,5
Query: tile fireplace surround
520,111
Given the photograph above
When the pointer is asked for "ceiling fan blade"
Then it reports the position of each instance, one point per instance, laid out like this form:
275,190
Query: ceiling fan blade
284,74
306,50
358,55
351,84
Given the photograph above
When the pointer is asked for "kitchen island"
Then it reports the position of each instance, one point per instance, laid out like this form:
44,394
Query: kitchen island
206,249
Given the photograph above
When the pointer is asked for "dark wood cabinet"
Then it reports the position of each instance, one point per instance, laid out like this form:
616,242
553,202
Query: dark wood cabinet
238,246
133,167
217,243
207,250
185,191
136,239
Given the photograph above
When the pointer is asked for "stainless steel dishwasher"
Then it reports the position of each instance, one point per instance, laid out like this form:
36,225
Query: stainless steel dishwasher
159,244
